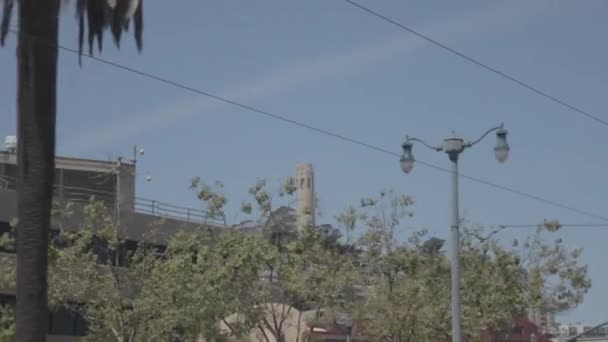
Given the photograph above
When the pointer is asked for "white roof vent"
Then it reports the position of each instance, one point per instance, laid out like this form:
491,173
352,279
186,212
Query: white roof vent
10,143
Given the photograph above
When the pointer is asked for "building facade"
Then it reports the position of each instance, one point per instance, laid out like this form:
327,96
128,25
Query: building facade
77,181
567,331
545,320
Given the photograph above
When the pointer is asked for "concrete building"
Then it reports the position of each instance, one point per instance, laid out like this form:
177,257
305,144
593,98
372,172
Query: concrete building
545,320
567,331
76,181
113,182
297,326
305,183
580,339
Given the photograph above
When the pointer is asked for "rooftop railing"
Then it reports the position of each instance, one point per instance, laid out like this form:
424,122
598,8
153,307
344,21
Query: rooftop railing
156,208
140,205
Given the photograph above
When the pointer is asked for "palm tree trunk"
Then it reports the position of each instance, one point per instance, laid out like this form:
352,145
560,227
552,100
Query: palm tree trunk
36,100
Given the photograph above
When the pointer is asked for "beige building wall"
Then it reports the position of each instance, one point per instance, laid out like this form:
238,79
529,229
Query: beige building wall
294,324
305,183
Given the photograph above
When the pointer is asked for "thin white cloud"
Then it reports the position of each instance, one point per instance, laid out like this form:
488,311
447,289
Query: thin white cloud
474,25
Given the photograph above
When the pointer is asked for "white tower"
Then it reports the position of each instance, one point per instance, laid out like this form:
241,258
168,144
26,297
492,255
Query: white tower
305,183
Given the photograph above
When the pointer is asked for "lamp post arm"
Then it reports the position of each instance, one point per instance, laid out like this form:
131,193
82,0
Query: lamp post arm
435,148
471,144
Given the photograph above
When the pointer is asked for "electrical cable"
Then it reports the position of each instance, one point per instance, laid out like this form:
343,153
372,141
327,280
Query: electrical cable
480,64
323,131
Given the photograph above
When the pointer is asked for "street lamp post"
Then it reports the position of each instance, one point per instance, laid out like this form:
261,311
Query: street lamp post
453,146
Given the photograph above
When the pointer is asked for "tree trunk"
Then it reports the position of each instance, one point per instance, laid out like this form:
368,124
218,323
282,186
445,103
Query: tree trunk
36,100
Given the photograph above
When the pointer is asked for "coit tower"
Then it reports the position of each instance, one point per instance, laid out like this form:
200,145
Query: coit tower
305,182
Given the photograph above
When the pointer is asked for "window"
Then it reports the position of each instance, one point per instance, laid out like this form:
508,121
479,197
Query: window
101,250
7,300
67,322
308,181
57,240
107,255
5,228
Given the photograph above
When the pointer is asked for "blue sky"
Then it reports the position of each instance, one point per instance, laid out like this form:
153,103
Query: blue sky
330,65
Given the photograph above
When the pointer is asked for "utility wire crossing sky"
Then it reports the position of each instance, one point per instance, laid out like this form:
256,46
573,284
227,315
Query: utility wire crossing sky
485,66
327,132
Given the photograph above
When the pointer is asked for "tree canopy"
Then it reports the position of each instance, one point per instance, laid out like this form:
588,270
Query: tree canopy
392,282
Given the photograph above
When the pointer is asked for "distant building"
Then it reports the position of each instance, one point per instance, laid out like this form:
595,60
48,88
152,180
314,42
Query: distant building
305,184
567,331
545,320
580,339
113,183
522,330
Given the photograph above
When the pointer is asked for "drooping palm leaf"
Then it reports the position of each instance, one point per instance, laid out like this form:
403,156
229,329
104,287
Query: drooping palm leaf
97,21
139,25
7,10
123,12
80,9
94,17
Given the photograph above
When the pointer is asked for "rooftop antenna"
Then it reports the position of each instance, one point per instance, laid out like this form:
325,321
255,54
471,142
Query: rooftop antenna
137,151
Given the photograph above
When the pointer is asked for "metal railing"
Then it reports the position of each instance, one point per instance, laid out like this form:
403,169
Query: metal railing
67,193
79,194
140,205
160,209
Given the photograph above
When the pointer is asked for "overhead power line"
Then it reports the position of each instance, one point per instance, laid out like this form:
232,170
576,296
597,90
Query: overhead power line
324,131
572,225
480,64
502,227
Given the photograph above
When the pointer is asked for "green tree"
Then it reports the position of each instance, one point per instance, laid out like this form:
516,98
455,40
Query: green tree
7,323
210,275
492,296
36,104
307,270
201,278
8,276
7,281
284,285
551,275
118,303
408,287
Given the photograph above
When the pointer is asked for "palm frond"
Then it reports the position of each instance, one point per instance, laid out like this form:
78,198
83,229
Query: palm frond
97,21
113,14
80,8
93,17
139,25
7,10
123,12
118,21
